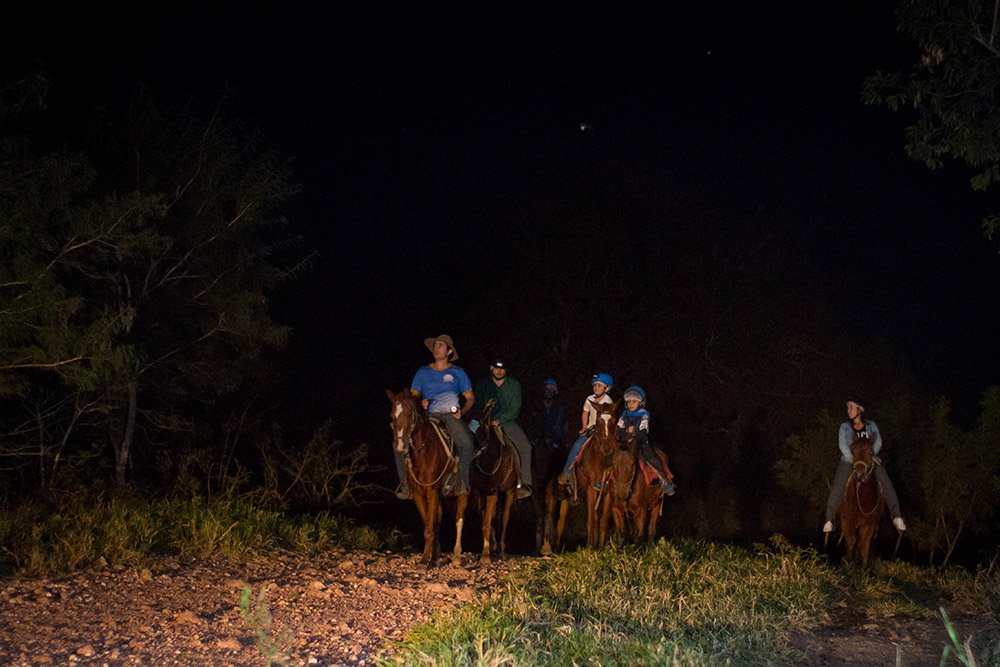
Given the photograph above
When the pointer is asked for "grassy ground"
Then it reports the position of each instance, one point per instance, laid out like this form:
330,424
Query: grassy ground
679,603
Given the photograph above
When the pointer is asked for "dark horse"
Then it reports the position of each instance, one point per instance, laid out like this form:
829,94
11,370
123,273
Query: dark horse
428,464
863,504
594,459
546,464
628,492
494,471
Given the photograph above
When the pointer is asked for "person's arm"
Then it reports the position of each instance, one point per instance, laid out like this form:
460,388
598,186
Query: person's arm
470,400
876,438
844,442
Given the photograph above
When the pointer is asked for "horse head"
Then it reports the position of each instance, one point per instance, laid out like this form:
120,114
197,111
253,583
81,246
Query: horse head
405,417
623,470
604,428
861,452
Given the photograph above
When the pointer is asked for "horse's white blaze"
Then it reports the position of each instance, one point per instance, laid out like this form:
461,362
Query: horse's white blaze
399,409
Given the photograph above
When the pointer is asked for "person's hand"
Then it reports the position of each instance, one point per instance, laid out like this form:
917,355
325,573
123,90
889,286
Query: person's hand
425,403
496,422
581,431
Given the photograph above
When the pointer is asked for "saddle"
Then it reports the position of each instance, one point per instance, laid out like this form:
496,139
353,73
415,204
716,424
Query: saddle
444,438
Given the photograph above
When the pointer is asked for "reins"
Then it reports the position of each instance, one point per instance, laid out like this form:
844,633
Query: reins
413,445
869,468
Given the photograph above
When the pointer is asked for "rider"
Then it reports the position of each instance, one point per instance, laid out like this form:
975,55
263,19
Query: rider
634,425
601,383
439,385
855,426
505,392
552,415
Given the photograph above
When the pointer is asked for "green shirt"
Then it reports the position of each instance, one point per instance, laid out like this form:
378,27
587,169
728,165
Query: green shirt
507,395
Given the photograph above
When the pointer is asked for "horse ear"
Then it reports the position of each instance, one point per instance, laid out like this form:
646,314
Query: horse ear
392,396
614,406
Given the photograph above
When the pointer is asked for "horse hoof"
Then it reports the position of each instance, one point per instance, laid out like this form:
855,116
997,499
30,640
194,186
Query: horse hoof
485,560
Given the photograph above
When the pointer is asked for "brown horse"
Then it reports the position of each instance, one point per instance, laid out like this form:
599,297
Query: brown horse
494,471
629,493
594,459
428,463
862,507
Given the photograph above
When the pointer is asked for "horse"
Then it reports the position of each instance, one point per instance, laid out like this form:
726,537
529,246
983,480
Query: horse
494,471
428,464
546,464
863,504
588,469
629,493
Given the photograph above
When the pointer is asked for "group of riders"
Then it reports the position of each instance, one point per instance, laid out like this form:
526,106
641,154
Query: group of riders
446,391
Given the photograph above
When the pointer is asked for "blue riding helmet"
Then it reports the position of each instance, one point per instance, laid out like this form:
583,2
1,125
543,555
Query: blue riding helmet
551,382
603,377
635,391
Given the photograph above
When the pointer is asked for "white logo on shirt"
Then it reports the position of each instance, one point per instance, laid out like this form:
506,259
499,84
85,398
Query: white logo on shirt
448,377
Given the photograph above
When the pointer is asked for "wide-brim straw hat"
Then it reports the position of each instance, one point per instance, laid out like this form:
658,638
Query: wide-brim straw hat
446,339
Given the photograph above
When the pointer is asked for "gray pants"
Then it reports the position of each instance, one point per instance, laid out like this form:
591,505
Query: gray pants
520,441
461,441
840,481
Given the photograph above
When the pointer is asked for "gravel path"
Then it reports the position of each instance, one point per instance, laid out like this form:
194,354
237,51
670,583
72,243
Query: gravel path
335,609
338,608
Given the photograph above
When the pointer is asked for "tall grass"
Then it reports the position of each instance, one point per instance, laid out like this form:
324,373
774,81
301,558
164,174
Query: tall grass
38,540
679,603
684,603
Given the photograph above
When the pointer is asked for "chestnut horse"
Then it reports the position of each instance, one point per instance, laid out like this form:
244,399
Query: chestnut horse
494,471
629,493
589,468
428,464
863,504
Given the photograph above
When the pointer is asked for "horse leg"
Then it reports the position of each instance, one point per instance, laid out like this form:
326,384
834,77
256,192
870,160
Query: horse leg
488,512
561,523
639,520
425,501
850,542
865,542
547,520
593,523
654,516
461,502
508,502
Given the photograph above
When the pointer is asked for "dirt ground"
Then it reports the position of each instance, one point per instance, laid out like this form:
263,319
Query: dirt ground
336,609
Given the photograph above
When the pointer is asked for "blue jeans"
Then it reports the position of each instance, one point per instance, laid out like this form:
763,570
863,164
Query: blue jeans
461,440
574,451
840,482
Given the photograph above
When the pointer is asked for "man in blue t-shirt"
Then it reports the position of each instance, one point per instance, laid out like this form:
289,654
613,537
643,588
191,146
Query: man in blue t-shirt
442,386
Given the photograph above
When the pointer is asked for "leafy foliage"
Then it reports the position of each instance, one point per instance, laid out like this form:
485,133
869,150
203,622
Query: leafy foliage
952,90
134,286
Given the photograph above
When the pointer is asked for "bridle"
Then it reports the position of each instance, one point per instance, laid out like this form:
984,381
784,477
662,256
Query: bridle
861,473
615,481
403,438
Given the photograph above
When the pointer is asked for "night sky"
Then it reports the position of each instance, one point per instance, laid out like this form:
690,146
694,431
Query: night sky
419,135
